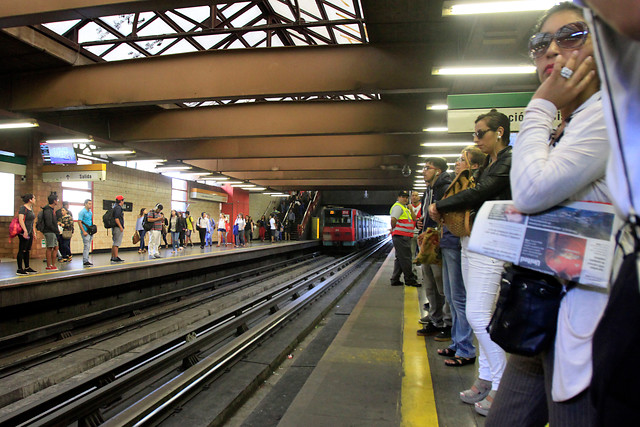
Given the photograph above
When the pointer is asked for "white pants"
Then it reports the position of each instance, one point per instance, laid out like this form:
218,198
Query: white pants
154,242
481,275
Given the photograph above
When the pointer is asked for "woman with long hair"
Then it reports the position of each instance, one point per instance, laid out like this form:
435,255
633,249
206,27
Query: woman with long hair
173,229
222,230
550,167
140,229
481,274
26,218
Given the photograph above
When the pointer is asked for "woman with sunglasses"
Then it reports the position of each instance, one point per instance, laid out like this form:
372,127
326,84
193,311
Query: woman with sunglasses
549,168
481,274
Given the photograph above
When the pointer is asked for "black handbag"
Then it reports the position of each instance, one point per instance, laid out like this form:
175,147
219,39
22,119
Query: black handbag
526,315
91,229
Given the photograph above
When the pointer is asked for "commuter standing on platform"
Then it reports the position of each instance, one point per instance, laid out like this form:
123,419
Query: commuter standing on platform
438,320
155,217
416,208
248,230
61,245
262,227
85,217
202,225
402,225
211,226
222,230
66,222
51,231
272,227
189,230
140,229
118,231
26,217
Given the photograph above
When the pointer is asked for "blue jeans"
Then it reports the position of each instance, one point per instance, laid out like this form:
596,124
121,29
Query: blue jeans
86,242
175,238
142,233
456,295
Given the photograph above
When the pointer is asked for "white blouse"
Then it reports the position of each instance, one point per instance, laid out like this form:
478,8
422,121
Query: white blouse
543,176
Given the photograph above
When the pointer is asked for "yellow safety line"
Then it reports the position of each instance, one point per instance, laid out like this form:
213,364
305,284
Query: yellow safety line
418,399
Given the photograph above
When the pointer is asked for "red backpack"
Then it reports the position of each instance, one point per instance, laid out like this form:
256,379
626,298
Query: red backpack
14,228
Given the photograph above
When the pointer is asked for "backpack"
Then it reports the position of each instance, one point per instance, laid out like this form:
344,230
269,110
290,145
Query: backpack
146,225
108,219
40,221
459,222
14,228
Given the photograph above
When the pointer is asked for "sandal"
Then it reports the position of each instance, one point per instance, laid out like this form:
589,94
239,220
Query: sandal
446,352
460,361
478,391
484,405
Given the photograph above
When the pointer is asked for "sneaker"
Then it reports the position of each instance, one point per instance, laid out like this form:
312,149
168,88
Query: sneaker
443,335
429,329
51,267
478,391
157,256
30,270
87,264
22,272
397,284
425,320
426,306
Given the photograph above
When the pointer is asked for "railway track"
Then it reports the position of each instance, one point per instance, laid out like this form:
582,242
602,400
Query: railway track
186,361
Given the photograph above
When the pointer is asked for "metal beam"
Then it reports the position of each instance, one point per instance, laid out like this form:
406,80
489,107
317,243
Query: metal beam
275,176
312,146
231,166
30,12
39,41
268,119
230,74
337,184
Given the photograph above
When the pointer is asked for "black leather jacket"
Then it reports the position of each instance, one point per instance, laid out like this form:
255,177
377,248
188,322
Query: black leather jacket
492,184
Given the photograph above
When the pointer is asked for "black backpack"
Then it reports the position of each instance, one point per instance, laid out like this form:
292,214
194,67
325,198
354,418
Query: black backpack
40,221
146,225
108,219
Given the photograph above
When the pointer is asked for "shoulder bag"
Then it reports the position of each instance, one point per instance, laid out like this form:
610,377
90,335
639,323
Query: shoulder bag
459,222
526,315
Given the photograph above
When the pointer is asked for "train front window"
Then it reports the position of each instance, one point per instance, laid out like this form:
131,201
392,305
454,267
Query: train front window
337,217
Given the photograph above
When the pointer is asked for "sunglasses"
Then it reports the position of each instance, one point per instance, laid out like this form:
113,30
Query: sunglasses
570,36
481,133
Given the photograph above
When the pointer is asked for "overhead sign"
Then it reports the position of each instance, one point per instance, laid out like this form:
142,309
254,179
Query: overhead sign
62,173
16,165
209,195
465,109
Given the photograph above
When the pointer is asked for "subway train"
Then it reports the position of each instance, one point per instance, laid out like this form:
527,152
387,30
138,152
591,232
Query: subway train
350,227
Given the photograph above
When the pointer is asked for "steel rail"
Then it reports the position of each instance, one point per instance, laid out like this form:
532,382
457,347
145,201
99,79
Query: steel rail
220,287
81,400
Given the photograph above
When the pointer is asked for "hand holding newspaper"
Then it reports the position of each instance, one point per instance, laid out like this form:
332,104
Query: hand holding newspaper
573,241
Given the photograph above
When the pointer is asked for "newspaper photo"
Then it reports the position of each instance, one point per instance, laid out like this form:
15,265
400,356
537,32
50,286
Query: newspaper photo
573,241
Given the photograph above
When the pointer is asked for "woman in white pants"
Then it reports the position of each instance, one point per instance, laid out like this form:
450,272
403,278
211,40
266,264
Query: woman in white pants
481,274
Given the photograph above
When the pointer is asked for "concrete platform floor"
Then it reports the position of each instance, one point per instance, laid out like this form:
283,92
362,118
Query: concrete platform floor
378,372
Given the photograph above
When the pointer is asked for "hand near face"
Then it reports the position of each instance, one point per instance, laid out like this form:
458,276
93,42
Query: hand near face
562,91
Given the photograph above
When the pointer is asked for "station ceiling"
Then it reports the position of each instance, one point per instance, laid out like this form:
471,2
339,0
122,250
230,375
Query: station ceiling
286,94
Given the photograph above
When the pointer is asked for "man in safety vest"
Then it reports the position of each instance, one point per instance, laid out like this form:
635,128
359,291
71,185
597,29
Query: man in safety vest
402,226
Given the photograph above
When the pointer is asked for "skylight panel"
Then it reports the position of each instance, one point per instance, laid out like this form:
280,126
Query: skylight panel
182,46
182,23
157,27
246,17
208,42
121,23
122,52
155,46
199,13
282,9
309,9
61,27
92,32
99,49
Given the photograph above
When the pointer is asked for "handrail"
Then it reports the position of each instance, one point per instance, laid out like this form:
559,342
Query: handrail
311,207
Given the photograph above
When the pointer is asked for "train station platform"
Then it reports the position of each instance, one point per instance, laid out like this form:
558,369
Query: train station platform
72,277
378,372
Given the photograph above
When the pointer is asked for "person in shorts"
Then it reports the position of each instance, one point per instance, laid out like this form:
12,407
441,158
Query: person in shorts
118,231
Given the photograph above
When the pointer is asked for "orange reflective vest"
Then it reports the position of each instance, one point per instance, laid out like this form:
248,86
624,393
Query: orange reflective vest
405,224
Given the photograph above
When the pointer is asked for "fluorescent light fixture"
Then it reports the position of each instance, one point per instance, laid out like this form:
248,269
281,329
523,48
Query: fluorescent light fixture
69,141
451,8
257,189
483,71
446,144
436,129
95,159
279,195
421,164
172,168
440,155
114,152
437,107
246,185
217,178
18,124
199,173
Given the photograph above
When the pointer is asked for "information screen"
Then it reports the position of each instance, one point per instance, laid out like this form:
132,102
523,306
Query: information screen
58,154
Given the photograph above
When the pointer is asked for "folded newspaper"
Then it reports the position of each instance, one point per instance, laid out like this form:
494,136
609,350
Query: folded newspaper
573,241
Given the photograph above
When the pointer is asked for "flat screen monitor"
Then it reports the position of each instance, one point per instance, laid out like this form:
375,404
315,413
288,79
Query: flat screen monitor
58,154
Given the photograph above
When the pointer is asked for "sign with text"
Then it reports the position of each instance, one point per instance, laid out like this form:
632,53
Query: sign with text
209,195
108,204
62,173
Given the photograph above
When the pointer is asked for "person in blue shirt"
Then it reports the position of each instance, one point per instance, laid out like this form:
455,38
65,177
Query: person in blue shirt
85,218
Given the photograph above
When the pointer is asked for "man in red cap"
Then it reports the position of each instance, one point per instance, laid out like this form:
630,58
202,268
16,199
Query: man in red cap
118,231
